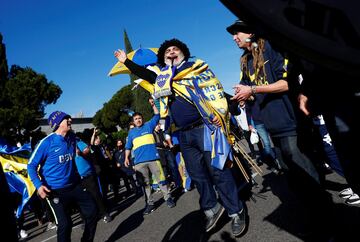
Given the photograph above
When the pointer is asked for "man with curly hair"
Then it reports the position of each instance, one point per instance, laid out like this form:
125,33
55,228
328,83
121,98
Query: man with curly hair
190,92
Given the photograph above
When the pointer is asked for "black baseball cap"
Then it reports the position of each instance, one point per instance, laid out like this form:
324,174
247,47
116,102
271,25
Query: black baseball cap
239,26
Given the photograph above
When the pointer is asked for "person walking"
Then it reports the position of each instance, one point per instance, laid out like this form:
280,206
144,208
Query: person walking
265,79
189,91
126,173
89,179
60,183
146,158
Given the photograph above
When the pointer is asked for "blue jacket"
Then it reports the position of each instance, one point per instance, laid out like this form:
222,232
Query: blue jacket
55,155
84,166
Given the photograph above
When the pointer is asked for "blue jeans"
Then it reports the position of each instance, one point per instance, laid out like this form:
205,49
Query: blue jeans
268,154
264,136
171,162
205,176
294,158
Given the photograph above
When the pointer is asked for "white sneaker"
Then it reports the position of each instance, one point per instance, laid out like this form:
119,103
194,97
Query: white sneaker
346,193
51,226
353,199
23,234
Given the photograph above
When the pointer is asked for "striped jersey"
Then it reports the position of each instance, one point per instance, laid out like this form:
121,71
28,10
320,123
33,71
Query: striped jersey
141,141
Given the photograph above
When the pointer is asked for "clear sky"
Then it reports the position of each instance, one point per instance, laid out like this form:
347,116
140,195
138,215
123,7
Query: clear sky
72,41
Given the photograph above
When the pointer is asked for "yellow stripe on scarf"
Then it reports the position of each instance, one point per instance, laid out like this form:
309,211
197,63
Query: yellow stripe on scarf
216,102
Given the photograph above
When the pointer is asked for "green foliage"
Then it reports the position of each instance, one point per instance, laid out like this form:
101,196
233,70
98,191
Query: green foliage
97,119
128,46
121,134
25,96
141,103
3,61
114,112
140,95
3,69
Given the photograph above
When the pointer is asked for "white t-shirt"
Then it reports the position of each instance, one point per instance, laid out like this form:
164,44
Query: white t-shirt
242,120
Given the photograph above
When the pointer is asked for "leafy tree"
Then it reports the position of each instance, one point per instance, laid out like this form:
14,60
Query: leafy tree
3,61
128,49
97,119
3,69
121,134
23,97
114,113
26,94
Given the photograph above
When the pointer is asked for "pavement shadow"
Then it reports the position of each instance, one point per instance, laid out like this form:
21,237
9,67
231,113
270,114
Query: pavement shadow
347,219
334,186
189,228
225,219
289,215
177,193
124,204
225,237
309,213
128,225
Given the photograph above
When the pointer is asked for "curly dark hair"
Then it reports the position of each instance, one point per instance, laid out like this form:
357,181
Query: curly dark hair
173,42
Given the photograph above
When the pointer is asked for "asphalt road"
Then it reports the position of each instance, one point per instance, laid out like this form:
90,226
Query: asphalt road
274,214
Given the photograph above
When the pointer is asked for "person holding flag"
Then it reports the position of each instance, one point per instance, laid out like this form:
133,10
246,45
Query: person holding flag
191,93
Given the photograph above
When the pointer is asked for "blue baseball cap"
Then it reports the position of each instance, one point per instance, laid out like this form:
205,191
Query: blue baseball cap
55,118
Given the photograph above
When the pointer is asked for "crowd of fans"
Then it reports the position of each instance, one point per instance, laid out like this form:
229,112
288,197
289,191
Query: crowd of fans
79,168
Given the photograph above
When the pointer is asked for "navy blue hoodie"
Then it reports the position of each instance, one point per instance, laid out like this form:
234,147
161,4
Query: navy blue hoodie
277,112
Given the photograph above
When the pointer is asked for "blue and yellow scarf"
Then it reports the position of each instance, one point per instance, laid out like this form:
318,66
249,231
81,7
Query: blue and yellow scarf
197,84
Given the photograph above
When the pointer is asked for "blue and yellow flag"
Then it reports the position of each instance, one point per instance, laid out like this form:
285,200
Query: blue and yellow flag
14,165
186,180
141,56
17,178
23,151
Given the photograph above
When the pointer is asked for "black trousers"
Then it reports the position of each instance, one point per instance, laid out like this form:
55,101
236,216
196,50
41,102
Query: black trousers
60,201
92,186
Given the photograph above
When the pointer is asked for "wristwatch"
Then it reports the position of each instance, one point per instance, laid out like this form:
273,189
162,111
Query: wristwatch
253,90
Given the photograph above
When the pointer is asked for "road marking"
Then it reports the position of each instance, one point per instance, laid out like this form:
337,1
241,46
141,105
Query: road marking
49,238
77,226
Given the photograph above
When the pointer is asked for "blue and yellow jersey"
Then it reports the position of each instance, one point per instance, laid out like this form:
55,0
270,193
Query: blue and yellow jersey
141,141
